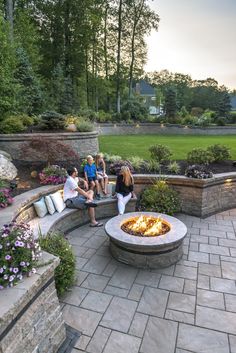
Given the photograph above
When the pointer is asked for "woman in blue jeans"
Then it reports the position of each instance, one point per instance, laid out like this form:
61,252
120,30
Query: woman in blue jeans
124,188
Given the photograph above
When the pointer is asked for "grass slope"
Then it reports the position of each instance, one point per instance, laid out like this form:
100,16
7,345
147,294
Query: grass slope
137,145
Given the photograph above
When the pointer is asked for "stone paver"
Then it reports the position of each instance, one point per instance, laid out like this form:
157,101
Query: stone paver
171,283
210,299
96,301
95,282
119,314
99,340
160,336
120,343
189,307
199,340
153,302
215,319
181,302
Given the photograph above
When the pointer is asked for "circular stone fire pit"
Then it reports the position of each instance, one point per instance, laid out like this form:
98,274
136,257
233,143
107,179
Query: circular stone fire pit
146,251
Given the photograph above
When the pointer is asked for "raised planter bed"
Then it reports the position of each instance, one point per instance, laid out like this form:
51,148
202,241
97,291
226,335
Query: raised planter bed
82,142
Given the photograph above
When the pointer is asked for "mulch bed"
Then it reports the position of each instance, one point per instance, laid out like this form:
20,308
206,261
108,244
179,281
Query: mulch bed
26,182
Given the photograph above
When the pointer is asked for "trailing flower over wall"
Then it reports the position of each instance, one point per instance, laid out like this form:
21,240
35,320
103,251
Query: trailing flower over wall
19,253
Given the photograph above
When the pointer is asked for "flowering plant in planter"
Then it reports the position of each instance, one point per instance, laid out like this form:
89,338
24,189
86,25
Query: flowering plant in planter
5,198
53,174
19,253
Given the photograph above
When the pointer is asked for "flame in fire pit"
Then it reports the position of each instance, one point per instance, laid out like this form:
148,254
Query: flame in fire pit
145,226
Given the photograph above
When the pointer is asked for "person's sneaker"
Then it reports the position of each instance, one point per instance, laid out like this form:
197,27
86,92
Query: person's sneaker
98,197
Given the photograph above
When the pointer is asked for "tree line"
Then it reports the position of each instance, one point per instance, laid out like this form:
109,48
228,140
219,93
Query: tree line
176,91
69,55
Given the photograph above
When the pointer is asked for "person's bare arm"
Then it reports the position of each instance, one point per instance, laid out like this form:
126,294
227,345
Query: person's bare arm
83,193
86,177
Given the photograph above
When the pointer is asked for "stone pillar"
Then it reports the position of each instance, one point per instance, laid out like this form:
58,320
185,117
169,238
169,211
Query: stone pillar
30,314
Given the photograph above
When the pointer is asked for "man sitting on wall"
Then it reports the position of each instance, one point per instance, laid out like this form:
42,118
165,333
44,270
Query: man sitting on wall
75,197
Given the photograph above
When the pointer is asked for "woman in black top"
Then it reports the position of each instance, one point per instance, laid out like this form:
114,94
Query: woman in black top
124,188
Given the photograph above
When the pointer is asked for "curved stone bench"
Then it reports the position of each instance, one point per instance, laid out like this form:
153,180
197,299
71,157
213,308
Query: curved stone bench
23,210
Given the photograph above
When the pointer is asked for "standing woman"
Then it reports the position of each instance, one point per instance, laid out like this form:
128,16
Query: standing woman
124,188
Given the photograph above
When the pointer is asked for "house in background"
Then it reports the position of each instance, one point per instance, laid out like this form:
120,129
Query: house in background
148,93
233,103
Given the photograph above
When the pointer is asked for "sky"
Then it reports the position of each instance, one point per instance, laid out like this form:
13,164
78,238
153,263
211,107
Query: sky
196,37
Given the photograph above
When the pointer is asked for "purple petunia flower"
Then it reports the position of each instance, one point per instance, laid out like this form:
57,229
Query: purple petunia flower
15,270
11,278
17,243
22,263
8,257
1,270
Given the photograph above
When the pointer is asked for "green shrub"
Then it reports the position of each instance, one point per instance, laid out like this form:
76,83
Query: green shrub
103,117
26,120
136,162
196,111
189,120
52,121
56,244
160,198
84,126
88,114
204,120
126,116
219,152
11,125
153,166
221,121
136,109
174,167
232,117
160,153
199,156
113,158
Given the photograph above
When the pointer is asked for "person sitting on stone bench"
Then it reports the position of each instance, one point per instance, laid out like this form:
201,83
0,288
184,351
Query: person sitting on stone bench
90,174
76,197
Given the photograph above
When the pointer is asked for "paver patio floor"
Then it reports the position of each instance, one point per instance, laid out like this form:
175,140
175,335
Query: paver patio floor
188,307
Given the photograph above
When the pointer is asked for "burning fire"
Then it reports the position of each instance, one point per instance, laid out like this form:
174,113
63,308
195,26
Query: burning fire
146,226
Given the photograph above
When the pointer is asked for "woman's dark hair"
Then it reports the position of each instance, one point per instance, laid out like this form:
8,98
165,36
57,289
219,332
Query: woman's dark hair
71,170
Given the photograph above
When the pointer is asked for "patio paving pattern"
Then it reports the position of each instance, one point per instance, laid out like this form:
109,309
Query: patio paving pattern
189,307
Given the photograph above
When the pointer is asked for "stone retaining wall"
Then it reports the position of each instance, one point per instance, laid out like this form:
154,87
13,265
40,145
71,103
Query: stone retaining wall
82,142
160,129
30,314
199,197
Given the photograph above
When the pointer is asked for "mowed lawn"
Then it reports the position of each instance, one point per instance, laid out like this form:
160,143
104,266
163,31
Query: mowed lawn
137,145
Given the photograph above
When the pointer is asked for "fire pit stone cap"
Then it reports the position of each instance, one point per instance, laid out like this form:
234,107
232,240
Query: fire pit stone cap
177,233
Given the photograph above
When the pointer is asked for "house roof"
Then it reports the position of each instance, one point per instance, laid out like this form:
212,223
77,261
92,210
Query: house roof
233,102
144,88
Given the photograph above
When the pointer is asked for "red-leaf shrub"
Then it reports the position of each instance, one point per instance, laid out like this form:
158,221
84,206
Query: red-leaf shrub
48,149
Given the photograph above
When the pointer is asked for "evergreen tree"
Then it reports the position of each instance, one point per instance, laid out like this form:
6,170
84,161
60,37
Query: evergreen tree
30,90
56,88
66,104
8,86
170,103
224,104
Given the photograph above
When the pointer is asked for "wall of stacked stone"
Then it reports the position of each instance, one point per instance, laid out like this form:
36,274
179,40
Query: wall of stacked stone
199,197
30,313
84,143
159,129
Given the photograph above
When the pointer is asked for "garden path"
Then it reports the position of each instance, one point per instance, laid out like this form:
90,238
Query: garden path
188,307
